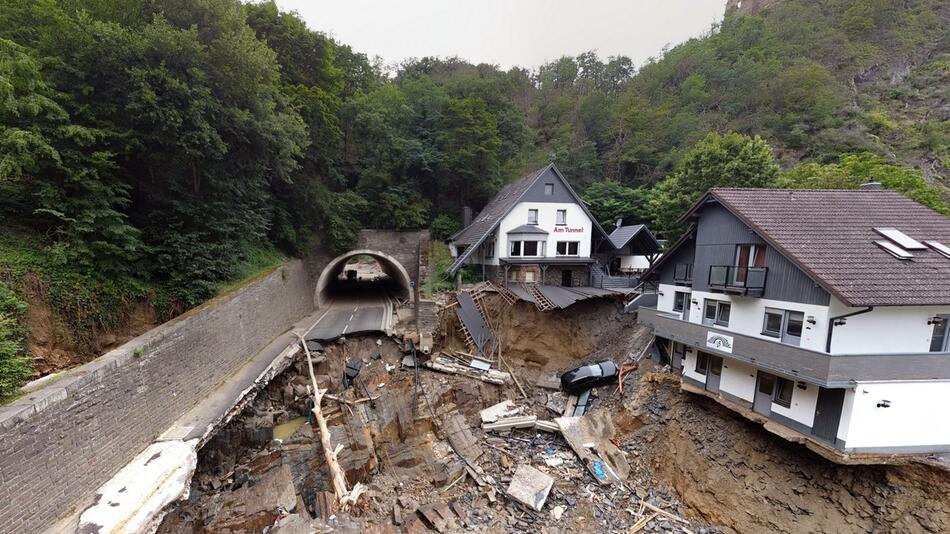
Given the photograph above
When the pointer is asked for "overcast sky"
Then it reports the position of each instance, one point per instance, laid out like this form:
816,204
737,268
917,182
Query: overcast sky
526,33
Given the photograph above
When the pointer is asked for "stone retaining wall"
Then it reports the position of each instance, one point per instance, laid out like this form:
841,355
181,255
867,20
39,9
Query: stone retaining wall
63,440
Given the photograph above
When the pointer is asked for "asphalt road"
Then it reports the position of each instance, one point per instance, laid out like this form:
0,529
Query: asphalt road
362,310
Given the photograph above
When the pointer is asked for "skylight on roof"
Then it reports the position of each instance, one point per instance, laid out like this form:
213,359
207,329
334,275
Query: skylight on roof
940,248
901,238
894,250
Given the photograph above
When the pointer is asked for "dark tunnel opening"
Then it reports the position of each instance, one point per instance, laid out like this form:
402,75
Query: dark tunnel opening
363,275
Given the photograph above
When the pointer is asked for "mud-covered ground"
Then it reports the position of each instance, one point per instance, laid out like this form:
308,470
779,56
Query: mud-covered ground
689,456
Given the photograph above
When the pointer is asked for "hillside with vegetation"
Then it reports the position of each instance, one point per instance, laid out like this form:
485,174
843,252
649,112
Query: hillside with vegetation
153,153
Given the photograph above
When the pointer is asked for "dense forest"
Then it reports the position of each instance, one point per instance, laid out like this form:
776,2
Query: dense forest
158,150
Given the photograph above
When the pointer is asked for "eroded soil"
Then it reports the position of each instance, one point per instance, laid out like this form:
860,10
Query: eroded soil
689,456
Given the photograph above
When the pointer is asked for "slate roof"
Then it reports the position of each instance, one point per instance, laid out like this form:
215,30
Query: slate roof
624,234
528,229
497,208
829,234
472,235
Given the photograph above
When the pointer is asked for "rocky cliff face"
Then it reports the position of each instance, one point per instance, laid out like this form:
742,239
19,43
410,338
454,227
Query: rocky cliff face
748,7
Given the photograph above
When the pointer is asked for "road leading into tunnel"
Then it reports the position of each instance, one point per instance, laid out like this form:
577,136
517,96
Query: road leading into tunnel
352,313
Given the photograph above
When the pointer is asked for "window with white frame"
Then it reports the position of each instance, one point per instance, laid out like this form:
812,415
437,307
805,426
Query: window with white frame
532,216
568,248
787,325
561,218
716,312
527,248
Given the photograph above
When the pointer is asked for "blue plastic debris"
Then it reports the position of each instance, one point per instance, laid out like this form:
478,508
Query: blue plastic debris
599,469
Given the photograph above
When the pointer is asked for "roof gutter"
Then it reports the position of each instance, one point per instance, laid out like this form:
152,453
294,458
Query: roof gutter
832,321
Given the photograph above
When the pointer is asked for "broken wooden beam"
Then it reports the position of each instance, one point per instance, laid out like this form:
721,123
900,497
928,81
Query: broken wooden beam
445,365
508,423
547,426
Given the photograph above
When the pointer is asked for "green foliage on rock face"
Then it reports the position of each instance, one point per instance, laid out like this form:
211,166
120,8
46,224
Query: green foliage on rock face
853,170
14,363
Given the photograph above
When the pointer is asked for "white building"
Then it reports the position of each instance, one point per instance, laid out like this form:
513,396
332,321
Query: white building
535,230
823,314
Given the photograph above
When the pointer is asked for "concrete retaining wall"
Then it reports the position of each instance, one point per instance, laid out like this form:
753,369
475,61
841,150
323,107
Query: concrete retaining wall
62,441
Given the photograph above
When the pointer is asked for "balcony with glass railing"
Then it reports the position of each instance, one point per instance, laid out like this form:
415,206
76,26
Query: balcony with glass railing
738,280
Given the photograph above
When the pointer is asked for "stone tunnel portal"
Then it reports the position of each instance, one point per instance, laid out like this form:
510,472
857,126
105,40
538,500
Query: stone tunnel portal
392,279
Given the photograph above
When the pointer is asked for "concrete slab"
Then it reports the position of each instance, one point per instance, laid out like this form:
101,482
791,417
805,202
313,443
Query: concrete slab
530,487
133,500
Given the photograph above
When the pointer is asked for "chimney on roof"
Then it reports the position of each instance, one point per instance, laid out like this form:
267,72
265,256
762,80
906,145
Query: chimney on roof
618,223
466,216
871,186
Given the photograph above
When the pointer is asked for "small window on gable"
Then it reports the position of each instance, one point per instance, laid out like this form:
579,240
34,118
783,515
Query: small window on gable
532,216
548,189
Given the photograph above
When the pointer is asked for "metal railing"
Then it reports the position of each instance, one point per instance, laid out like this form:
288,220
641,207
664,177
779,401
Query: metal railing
732,278
683,272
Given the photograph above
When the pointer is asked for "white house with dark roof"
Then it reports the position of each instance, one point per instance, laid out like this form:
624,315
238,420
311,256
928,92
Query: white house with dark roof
537,230
822,313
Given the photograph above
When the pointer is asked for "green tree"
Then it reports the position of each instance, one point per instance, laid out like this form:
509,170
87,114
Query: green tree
610,201
719,160
444,226
852,170
59,175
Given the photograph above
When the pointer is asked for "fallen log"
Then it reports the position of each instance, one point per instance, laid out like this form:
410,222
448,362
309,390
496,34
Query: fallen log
345,497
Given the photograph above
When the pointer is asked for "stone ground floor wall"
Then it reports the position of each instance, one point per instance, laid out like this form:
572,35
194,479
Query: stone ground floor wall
553,275
63,440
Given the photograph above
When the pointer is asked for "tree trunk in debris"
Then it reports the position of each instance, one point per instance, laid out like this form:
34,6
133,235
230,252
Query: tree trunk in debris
344,496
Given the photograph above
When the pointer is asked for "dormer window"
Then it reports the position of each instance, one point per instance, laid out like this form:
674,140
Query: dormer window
532,216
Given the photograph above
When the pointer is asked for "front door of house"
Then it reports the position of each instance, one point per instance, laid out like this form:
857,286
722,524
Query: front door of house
567,278
715,374
828,413
764,389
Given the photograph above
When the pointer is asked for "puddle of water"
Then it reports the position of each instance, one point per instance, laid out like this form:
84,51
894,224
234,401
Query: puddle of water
284,431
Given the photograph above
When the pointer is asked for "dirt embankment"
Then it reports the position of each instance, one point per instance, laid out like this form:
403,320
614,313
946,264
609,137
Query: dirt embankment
734,473
54,347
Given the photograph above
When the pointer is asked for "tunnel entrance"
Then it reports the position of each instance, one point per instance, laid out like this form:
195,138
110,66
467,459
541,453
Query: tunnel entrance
363,275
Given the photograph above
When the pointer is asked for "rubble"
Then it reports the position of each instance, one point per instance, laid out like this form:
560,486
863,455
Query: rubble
425,449
530,487
446,365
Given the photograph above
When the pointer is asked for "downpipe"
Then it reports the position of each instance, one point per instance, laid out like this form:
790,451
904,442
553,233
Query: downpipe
834,321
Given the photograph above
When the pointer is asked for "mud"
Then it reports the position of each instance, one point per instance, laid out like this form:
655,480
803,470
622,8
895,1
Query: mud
733,473
688,455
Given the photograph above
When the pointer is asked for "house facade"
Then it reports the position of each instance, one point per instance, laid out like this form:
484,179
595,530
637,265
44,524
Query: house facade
822,314
536,230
